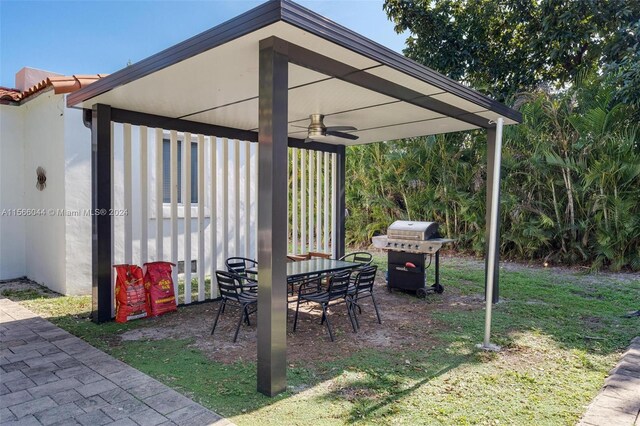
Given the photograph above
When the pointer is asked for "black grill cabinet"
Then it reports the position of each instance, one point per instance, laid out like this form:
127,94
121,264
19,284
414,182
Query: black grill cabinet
409,245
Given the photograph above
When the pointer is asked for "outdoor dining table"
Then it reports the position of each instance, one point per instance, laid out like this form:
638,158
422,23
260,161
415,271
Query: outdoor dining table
316,266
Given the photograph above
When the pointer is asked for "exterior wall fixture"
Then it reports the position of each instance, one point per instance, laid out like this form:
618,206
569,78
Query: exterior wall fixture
41,182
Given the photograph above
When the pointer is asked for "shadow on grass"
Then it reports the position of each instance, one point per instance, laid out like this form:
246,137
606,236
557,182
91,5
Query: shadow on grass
376,394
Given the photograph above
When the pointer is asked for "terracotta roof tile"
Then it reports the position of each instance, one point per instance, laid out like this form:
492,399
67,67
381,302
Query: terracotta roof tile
62,84
10,95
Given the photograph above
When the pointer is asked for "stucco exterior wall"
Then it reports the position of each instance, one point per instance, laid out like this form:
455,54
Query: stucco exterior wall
12,228
44,147
77,182
52,248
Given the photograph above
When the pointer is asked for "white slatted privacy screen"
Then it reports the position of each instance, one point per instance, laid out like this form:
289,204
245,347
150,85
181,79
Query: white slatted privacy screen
189,203
312,192
196,203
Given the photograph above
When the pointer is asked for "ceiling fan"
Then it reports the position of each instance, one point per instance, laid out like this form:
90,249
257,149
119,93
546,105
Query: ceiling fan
318,130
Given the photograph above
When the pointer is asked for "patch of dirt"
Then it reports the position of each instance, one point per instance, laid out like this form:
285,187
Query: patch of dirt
354,393
407,322
23,287
467,301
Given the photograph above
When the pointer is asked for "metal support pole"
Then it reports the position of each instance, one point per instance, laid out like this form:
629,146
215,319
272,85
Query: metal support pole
272,217
494,152
491,170
340,203
101,280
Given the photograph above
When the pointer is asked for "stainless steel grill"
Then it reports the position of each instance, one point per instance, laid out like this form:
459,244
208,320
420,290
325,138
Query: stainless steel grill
408,244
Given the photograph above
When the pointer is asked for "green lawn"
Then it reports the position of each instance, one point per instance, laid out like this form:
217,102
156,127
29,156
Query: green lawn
560,332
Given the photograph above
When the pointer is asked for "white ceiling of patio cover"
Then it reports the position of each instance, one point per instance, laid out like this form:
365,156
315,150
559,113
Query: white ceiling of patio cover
220,86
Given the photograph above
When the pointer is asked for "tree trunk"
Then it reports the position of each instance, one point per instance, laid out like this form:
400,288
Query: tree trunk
558,218
566,175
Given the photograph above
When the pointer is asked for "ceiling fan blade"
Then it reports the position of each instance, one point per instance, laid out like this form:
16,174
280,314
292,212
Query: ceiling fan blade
342,135
340,128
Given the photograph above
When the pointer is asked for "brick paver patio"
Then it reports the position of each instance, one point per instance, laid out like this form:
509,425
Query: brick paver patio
50,377
618,403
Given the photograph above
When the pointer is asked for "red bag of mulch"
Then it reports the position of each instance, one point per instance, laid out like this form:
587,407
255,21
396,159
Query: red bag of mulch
159,285
131,300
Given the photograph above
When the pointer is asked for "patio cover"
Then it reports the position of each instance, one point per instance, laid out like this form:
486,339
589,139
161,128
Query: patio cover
258,77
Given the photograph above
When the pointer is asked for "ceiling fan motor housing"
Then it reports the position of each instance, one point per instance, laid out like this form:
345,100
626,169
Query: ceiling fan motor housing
317,127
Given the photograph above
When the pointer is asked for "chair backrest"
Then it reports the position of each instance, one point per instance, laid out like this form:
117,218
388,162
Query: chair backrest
338,285
239,265
297,257
319,255
364,278
229,284
361,257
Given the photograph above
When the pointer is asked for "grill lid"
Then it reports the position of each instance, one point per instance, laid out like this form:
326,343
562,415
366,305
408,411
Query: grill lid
408,230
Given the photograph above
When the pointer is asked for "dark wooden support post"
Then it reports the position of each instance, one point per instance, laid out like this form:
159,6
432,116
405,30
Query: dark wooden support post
340,202
102,280
491,155
272,216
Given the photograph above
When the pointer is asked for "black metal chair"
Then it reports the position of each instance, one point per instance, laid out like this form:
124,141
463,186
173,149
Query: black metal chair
361,287
239,266
361,257
336,292
232,291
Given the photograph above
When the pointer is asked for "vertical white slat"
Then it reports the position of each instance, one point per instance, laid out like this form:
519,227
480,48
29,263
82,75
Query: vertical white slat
128,194
225,199
144,197
186,201
294,200
247,199
201,262
311,200
213,212
173,166
318,201
303,201
254,214
334,198
159,196
327,205
236,198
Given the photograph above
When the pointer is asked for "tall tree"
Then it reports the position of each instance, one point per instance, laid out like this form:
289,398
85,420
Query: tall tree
505,47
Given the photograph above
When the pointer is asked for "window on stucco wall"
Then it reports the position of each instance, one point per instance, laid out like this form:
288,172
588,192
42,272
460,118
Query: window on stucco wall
166,172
